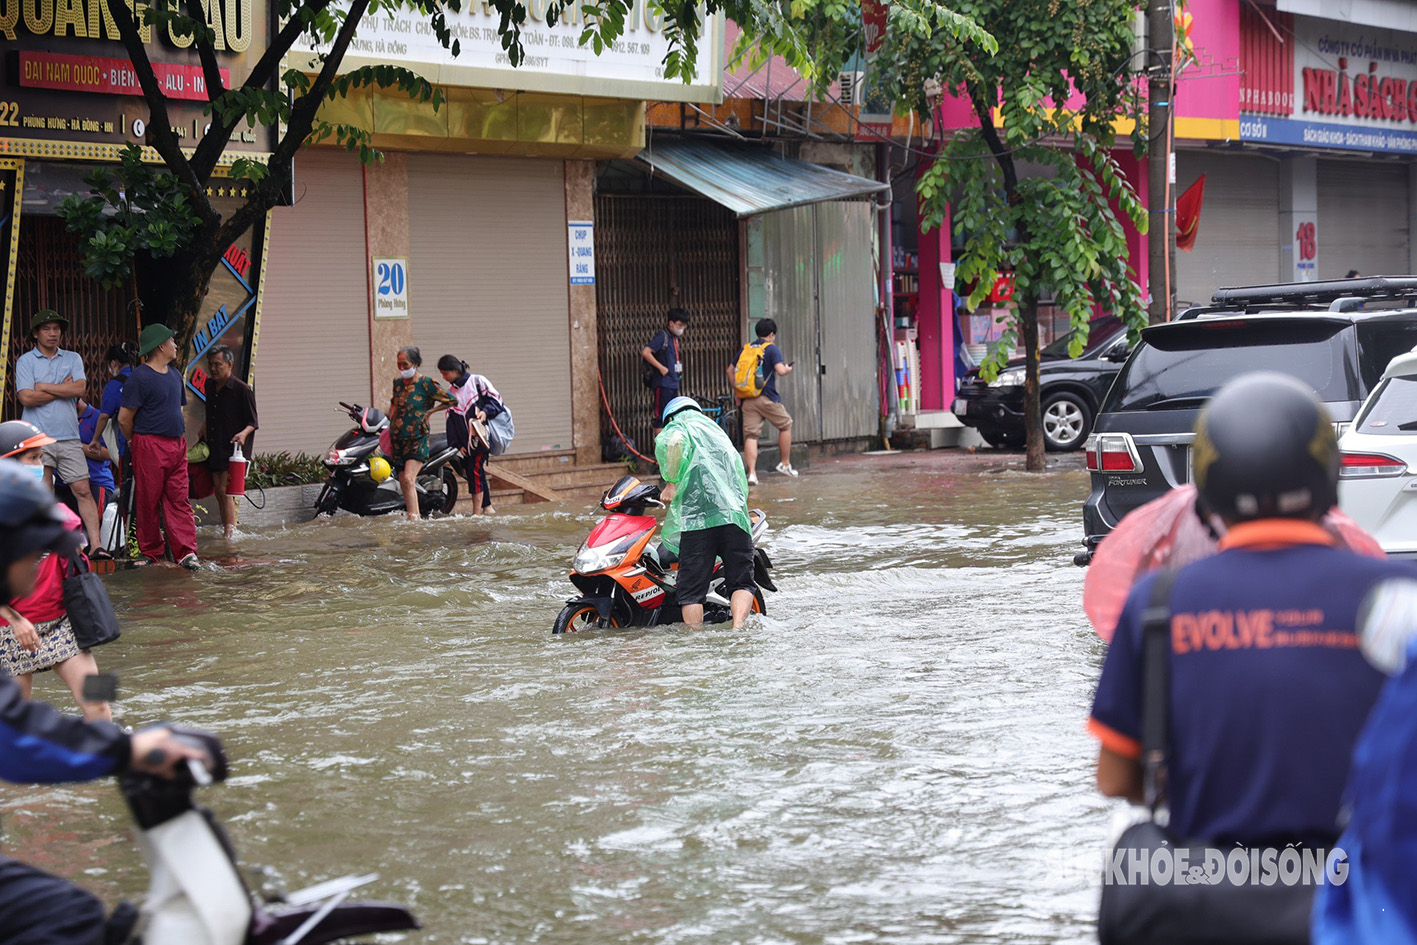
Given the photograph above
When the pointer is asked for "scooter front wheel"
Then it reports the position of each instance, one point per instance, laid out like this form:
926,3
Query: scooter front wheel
577,616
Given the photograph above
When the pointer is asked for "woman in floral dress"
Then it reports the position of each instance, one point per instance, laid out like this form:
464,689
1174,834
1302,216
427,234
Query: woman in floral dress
415,398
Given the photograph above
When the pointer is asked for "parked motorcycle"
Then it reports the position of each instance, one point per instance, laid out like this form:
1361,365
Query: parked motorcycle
627,577
196,895
362,482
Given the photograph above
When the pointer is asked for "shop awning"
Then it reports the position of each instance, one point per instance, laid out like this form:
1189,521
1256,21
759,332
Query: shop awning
749,180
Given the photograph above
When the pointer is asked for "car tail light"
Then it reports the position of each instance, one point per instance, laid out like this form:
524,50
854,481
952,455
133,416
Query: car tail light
1367,465
1113,453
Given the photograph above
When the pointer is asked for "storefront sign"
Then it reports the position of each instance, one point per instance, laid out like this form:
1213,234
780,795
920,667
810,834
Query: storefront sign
556,60
582,243
390,287
231,300
1353,88
110,76
1306,247
70,91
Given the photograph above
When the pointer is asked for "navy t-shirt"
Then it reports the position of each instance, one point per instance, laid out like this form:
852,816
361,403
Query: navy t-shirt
771,359
158,400
665,348
112,401
1268,689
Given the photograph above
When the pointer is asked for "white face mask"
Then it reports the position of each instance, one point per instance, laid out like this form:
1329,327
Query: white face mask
408,375
676,330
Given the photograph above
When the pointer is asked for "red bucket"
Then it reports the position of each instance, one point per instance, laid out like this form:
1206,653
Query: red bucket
236,472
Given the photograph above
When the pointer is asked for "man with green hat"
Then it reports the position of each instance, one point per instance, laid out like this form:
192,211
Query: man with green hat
151,418
48,383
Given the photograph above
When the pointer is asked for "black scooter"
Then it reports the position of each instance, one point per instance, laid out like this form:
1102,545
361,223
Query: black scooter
355,482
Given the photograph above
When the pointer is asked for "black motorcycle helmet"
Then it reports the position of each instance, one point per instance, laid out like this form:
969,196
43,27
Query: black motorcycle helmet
1265,448
19,436
30,521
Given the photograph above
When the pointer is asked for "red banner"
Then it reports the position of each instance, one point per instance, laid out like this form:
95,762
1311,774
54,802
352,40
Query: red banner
40,70
874,14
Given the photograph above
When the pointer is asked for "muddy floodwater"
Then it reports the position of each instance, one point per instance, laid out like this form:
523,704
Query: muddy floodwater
896,753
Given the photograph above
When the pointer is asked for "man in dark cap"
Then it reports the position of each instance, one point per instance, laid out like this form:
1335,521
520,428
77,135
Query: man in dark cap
48,383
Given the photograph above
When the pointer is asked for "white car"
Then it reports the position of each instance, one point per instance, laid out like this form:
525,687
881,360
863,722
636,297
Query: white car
1377,482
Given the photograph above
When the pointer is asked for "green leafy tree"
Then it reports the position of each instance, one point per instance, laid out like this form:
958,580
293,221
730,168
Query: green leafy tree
155,223
1057,228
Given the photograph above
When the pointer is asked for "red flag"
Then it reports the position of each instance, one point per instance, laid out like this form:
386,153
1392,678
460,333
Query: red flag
1188,215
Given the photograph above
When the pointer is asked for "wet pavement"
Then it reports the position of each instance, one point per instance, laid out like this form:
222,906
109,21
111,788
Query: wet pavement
895,753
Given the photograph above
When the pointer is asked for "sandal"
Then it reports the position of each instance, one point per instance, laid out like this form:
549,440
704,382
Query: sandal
102,554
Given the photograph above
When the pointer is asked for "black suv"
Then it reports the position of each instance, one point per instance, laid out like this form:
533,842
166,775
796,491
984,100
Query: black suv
1337,337
1071,389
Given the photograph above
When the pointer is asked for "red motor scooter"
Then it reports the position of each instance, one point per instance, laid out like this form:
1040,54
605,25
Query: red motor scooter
627,578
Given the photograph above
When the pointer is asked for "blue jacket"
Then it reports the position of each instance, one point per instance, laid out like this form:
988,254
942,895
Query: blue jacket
38,744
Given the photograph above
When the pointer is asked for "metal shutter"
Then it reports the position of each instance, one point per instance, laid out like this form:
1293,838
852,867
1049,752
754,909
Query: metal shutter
1238,242
313,349
487,277
851,395
1362,218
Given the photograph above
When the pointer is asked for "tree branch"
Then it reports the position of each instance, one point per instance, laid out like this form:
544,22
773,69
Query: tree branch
210,149
159,132
266,193
996,146
206,52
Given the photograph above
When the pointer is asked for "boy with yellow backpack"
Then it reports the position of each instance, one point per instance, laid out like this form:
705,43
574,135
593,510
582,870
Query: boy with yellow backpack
755,376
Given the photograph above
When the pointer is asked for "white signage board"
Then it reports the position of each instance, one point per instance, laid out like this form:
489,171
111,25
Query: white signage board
582,244
390,286
555,61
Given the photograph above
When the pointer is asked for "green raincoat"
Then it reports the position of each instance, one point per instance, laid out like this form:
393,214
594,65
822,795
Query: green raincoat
710,486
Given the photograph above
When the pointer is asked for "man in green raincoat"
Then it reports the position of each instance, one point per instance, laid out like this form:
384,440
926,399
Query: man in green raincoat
707,493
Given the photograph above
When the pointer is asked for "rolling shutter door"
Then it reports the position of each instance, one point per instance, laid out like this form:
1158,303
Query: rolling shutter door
313,349
1238,241
488,281
1362,218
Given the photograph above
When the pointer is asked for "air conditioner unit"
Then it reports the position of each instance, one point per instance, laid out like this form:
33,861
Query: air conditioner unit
852,87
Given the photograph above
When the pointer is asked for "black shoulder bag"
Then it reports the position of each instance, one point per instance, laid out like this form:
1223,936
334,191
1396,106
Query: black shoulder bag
87,604
1218,898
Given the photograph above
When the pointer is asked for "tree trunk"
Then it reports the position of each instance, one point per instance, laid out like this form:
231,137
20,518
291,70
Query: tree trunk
172,292
1032,403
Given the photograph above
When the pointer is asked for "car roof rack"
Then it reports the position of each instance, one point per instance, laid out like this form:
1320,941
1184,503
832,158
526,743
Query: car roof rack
1343,291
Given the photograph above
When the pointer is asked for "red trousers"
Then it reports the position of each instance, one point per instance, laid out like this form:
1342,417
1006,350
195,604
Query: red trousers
160,489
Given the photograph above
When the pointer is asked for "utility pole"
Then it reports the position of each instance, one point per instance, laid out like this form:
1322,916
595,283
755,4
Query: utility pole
1161,200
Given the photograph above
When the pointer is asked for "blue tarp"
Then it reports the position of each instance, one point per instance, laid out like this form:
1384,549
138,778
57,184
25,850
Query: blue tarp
749,179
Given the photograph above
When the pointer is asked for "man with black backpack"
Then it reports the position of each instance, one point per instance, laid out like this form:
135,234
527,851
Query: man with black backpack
663,370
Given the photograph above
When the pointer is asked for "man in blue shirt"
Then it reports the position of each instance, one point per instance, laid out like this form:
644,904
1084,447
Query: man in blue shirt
1267,687
663,357
48,383
768,407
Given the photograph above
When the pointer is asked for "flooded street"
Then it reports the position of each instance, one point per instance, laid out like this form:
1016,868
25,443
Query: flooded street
896,753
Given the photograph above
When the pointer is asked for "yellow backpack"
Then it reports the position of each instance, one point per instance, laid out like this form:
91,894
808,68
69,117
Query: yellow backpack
748,377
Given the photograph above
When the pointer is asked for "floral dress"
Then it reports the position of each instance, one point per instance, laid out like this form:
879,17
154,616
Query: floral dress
412,402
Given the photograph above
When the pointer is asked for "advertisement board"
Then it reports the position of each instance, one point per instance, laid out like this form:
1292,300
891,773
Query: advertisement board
1352,87
632,67
69,90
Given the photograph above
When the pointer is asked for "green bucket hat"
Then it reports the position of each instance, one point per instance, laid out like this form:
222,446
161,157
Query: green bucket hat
46,315
151,337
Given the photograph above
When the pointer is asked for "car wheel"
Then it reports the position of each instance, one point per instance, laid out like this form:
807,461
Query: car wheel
1066,421
1001,440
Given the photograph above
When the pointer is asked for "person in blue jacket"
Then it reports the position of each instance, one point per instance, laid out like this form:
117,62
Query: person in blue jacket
40,745
1376,904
